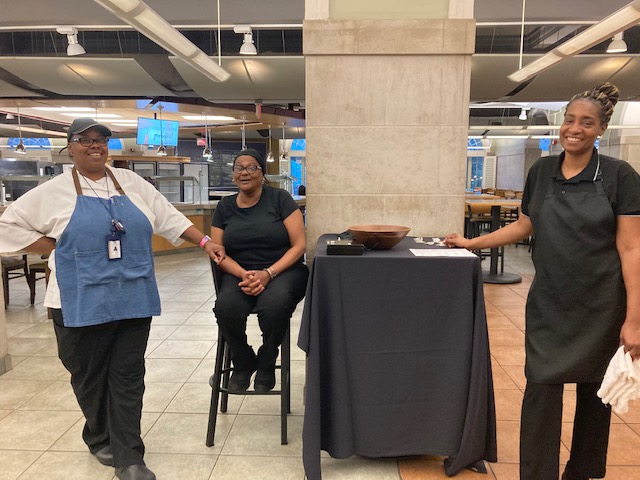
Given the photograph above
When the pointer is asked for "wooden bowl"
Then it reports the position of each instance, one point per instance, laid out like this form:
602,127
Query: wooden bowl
378,237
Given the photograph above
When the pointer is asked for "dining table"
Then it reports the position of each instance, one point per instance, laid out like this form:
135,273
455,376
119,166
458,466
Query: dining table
492,275
397,356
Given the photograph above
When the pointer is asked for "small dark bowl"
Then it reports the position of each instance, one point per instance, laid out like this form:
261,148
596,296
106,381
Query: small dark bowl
379,237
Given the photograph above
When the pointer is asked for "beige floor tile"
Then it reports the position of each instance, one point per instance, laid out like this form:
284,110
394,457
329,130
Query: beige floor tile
615,472
15,328
177,370
512,309
633,415
191,398
203,372
57,396
497,321
185,433
15,393
182,349
232,467
28,346
202,318
260,435
67,466
508,435
170,318
270,404
191,467
195,332
357,468
34,430
158,395
161,332
37,368
15,462
42,330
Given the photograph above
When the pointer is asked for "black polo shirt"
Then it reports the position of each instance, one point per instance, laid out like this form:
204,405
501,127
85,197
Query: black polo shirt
620,182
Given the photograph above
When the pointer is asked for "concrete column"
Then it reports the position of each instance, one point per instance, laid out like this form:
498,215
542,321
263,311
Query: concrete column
387,114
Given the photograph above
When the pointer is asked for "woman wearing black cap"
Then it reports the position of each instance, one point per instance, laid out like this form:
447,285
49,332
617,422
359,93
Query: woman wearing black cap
96,223
263,233
584,302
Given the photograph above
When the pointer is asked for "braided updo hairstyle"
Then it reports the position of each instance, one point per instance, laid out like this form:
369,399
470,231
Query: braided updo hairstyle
604,96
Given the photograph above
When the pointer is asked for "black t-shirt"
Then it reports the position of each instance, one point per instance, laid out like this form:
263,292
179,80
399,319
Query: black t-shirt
620,182
256,237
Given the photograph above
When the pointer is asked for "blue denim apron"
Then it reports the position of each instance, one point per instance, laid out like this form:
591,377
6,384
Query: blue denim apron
577,302
94,289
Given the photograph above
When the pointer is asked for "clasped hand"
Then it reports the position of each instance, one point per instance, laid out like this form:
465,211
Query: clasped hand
254,282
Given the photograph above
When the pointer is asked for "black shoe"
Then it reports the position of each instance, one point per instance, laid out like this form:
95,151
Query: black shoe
265,380
240,380
135,472
104,456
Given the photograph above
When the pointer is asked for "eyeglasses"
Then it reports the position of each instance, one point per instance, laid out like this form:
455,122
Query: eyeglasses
88,142
248,168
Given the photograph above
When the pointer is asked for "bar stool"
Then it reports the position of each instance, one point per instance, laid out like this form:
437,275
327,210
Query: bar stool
219,381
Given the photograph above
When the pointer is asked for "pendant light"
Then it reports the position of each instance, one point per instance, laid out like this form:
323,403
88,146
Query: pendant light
20,148
244,134
270,158
162,151
206,153
283,151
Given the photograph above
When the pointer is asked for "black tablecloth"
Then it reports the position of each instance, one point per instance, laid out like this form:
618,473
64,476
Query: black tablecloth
397,358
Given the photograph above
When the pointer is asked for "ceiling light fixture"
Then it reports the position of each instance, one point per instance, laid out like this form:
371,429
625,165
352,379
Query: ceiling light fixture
248,47
523,114
618,21
244,144
162,151
270,158
144,19
206,153
20,148
10,116
283,150
74,47
617,45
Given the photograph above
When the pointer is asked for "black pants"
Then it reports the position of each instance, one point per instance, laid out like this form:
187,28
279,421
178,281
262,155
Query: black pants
106,363
274,307
541,426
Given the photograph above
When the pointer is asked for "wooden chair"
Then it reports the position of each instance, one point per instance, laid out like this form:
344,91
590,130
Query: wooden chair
14,267
219,381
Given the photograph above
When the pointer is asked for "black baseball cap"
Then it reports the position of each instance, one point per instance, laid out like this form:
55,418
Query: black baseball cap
80,125
255,154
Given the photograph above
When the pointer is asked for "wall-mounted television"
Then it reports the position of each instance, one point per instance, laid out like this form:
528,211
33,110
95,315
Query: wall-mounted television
150,132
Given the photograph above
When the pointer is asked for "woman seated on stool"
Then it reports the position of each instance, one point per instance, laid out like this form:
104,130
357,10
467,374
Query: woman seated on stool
263,233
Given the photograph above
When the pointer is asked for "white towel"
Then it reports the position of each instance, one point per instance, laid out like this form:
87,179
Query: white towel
621,381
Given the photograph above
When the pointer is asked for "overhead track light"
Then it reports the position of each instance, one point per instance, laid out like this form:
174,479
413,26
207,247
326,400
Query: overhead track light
206,153
20,148
270,158
10,116
162,150
248,47
144,19
617,45
74,47
523,114
618,21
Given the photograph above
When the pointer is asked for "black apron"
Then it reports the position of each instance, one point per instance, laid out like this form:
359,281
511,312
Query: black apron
577,302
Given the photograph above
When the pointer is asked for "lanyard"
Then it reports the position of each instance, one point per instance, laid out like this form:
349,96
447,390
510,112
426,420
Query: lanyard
116,225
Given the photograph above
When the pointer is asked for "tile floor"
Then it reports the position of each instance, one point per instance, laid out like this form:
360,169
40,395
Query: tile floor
40,422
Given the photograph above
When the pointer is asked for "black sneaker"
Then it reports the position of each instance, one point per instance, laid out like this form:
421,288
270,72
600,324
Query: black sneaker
240,380
265,380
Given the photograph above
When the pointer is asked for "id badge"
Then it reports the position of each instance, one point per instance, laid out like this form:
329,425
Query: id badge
114,247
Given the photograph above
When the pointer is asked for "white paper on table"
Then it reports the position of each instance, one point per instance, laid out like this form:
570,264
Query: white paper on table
441,252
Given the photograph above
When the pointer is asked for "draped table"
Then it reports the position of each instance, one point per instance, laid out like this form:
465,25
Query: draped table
397,358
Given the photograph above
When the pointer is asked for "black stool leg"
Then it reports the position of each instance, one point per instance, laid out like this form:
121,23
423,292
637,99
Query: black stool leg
215,390
285,387
226,373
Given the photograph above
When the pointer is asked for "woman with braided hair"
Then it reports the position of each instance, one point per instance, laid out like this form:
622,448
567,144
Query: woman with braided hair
584,302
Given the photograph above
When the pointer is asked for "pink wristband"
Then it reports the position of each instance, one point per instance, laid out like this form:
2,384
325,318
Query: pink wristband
204,240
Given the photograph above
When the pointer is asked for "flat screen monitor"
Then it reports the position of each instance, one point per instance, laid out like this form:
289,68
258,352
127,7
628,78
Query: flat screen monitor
150,132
